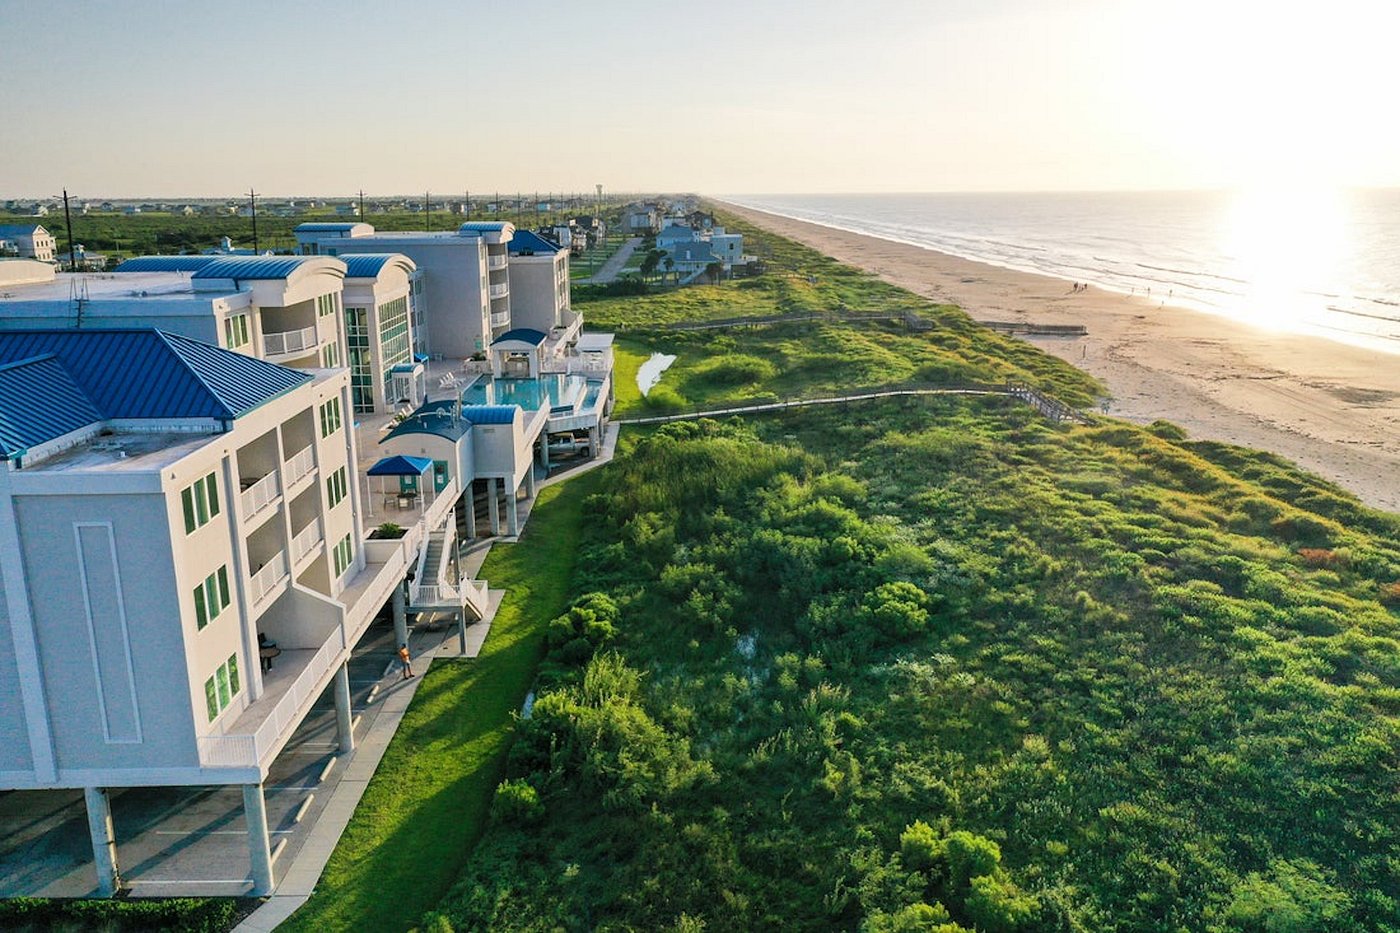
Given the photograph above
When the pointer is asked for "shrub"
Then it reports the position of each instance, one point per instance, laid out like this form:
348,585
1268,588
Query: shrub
896,610
919,846
1390,593
178,915
996,905
970,856
665,400
736,369
516,803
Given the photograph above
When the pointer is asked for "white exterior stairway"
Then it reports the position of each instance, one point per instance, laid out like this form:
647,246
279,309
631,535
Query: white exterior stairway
432,583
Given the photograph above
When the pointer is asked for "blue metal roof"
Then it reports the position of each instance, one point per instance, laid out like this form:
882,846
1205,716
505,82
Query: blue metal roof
39,402
251,267
401,466
436,418
490,414
523,334
132,374
165,263
369,265
327,227
483,226
527,241
18,229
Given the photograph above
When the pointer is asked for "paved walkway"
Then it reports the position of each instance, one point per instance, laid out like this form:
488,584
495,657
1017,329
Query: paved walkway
613,267
394,696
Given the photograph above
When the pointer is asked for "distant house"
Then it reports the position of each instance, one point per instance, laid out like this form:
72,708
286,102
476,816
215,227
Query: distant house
641,220
39,211
700,220
674,234
30,241
187,211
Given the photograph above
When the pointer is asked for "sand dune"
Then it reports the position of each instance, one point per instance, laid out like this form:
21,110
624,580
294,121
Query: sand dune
1332,408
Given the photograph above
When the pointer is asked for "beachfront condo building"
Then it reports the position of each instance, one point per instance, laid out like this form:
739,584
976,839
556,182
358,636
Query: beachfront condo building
283,309
539,286
465,273
163,504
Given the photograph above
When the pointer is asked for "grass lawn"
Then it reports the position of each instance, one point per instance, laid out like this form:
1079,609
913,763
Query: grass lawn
427,804
628,357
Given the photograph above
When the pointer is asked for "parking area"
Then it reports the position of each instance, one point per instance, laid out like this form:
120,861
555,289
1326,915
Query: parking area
187,841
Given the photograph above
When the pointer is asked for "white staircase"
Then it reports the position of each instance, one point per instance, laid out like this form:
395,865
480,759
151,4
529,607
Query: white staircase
433,587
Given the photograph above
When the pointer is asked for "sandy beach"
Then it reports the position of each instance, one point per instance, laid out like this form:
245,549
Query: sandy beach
1332,408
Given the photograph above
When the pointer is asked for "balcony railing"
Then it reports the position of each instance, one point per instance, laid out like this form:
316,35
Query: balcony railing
307,540
500,290
247,750
290,341
500,318
301,463
269,576
259,495
496,262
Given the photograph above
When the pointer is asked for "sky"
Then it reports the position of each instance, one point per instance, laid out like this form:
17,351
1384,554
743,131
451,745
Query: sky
166,99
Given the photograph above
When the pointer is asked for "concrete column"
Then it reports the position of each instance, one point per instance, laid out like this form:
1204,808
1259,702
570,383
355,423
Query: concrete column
594,442
344,730
104,840
494,498
470,499
512,511
462,630
530,482
259,851
544,451
400,610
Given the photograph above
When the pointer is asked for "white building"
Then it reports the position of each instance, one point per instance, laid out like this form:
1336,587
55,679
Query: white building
465,274
539,286
382,314
162,502
29,241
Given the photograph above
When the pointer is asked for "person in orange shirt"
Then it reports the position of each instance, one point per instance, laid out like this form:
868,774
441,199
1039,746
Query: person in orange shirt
406,661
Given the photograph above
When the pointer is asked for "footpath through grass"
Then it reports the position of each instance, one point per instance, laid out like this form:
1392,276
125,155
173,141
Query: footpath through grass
427,804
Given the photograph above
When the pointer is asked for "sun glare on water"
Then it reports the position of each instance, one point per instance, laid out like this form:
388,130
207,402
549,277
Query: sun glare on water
1286,245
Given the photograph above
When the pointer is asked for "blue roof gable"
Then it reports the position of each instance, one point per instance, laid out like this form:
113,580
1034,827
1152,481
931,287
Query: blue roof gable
251,267
319,227
126,374
526,242
369,265
523,334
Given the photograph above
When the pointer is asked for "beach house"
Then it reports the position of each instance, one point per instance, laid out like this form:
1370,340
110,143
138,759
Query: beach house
28,241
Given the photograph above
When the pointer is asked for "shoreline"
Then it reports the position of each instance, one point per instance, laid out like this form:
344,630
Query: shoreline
1333,408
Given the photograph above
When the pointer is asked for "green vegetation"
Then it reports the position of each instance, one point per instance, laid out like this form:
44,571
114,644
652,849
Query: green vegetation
948,663
176,915
429,799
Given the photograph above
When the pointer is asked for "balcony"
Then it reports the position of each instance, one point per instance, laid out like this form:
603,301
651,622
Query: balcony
259,496
300,465
496,262
500,318
290,342
289,692
307,541
269,577
500,290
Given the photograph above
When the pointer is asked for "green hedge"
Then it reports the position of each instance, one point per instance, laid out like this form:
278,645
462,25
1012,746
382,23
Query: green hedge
179,915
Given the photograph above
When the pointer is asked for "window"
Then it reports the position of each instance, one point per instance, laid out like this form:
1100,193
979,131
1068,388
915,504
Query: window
335,487
343,557
236,331
394,347
357,343
330,417
200,502
330,356
325,304
222,687
211,597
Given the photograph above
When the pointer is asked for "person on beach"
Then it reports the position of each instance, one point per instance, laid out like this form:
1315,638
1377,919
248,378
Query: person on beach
406,661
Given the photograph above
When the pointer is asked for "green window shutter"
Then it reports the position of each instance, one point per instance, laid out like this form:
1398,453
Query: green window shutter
187,502
201,614
223,587
211,699
201,504
233,684
222,675
212,483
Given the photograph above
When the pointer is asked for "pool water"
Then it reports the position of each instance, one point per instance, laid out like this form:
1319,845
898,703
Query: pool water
558,390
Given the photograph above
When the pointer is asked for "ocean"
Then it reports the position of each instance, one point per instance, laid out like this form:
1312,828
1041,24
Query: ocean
1325,263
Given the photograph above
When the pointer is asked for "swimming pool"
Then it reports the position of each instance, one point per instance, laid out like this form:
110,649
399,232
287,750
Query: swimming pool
557,390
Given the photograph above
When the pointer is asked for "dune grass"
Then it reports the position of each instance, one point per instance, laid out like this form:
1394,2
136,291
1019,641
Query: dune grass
426,805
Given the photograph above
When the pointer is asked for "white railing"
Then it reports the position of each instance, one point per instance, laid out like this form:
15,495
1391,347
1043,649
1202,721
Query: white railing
495,262
290,341
271,574
475,592
307,540
259,495
591,363
301,463
438,594
500,290
247,751
500,318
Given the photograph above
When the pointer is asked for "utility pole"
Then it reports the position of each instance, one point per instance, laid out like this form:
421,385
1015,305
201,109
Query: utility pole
253,209
72,247
427,210
362,205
